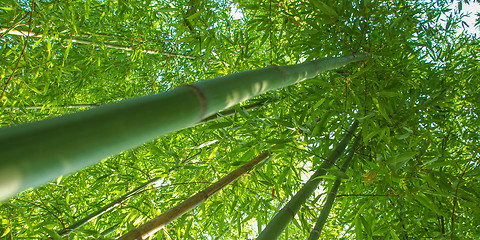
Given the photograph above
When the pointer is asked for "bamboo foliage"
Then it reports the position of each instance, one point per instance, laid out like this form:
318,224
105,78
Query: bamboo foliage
418,104
317,229
151,227
38,152
281,220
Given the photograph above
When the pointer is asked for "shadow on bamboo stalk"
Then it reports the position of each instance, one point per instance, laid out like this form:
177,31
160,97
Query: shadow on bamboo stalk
224,113
281,220
151,227
317,230
35,153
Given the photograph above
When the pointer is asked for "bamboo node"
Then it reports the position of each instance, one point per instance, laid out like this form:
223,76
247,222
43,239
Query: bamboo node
201,98
284,76
288,209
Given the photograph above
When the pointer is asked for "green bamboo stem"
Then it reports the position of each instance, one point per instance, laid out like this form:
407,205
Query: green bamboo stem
151,227
34,153
113,204
106,208
40,107
317,230
76,39
276,226
213,117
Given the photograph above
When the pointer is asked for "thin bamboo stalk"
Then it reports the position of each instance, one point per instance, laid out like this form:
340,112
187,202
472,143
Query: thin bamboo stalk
151,227
106,208
76,39
276,226
113,204
317,230
34,153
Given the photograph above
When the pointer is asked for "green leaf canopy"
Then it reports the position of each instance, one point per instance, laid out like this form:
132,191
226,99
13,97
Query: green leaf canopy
415,175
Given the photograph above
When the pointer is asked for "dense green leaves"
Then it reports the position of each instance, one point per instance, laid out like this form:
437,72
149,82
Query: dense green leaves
417,172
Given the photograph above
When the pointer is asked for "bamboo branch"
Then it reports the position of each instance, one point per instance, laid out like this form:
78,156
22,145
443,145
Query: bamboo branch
366,195
317,230
76,39
281,220
233,111
5,86
37,152
12,27
106,208
454,202
151,227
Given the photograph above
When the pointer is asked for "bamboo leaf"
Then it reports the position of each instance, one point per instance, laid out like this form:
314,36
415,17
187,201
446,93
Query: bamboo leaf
7,9
426,202
358,228
195,15
52,234
337,173
387,94
67,50
7,230
366,225
205,144
382,110
394,235
402,158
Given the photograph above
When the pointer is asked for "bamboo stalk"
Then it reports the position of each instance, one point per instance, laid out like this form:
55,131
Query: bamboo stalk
37,107
151,227
275,227
106,208
76,39
113,204
208,119
317,230
37,152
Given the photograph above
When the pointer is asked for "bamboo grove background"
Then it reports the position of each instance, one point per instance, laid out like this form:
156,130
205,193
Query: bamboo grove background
414,176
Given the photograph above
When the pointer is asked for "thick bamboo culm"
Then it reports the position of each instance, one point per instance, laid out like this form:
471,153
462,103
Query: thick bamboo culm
34,153
151,227
280,221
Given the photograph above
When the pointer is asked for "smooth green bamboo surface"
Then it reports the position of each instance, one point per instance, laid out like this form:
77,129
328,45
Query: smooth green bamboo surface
317,230
34,153
275,227
151,227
